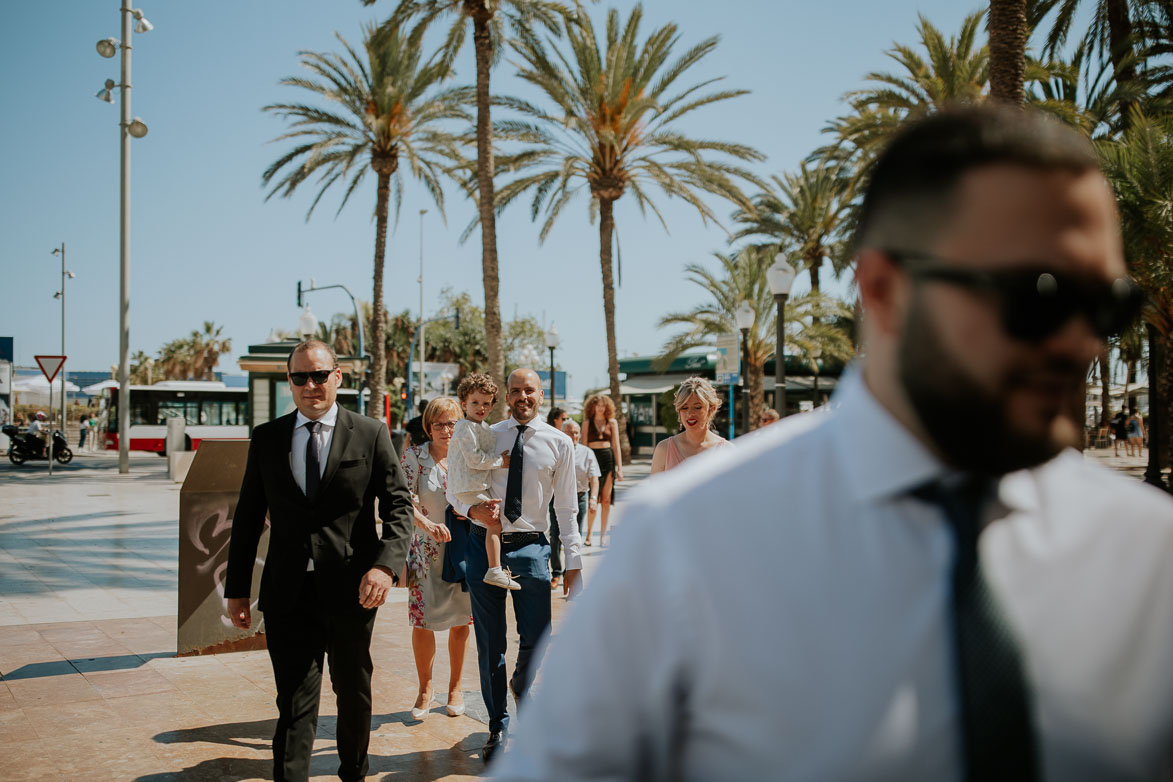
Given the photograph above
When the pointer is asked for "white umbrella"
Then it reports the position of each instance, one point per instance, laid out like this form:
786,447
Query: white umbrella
97,388
39,383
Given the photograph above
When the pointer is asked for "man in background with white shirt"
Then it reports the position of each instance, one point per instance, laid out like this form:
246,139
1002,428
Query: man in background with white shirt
317,473
859,628
541,467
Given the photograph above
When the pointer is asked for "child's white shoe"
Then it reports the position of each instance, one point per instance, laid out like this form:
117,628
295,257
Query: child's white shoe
501,577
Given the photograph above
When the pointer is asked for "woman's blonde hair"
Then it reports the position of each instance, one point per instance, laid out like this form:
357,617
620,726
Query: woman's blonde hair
704,391
588,410
441,404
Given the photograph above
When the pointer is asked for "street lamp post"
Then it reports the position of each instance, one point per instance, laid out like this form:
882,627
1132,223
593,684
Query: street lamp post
423,334
552,340
128,127
780,277
816,353
744,315
357,324
61,295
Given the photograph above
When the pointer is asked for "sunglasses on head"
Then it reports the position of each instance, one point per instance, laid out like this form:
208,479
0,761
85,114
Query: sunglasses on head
319,377
1035,302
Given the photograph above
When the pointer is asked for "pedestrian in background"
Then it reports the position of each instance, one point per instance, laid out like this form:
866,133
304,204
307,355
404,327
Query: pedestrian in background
601,432
434,605
696,403
586,472
858,629
555,418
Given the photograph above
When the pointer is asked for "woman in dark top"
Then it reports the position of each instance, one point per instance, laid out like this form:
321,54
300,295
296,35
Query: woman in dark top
601,434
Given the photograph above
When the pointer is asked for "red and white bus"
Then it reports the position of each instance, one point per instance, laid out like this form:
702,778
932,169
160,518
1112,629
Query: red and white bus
209,408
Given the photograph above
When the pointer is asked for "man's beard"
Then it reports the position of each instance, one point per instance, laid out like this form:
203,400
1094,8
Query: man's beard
969,424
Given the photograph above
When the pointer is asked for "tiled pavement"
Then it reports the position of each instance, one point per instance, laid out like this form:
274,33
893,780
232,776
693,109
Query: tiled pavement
90,685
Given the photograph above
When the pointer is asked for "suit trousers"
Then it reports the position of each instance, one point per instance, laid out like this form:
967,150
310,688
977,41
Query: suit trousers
298,640
531,606
555,534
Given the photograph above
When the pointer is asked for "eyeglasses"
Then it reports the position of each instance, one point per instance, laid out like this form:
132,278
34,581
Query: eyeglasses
1035,302
319,377
450,425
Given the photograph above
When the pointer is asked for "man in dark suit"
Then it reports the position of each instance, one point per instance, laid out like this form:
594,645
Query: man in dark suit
317,473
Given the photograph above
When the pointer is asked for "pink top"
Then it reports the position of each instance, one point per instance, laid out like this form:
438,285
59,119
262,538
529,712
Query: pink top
672,457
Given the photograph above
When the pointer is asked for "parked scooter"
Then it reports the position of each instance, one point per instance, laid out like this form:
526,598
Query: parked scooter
23,446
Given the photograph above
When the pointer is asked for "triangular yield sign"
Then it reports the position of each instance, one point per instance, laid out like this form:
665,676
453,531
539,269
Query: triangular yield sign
50,365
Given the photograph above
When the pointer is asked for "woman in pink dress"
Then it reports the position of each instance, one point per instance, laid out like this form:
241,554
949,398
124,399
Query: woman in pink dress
696,404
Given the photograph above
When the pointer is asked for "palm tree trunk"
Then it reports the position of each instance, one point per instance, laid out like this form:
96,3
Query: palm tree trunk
482,43
1120,44
813,268
1007,50
1157,404
1105,387
379,333
757,393
606,237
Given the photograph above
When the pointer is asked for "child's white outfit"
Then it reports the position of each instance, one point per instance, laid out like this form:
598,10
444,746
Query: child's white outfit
471,458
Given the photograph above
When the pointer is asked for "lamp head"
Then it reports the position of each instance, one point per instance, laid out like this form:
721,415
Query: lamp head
143,25
137,128
57,295
552,337
70,275
780,276
307,324
743,315
104,93
107,47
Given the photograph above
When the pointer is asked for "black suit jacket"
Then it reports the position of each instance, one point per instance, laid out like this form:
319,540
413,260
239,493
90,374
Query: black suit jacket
337,530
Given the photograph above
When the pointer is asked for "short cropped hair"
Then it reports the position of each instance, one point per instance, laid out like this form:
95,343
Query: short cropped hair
310,344
912,189
476,381
441,404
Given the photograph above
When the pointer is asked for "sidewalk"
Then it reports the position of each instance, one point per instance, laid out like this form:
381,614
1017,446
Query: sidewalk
89,684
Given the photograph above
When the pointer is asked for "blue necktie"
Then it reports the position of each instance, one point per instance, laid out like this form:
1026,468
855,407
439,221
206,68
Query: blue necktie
313,466
997,728
513,488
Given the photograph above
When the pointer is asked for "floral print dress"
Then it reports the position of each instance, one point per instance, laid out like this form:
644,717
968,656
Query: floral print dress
433,603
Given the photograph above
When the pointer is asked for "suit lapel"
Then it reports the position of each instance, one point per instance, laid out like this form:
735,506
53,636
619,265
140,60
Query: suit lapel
343,427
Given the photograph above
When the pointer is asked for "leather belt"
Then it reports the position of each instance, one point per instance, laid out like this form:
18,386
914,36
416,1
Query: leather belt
512,538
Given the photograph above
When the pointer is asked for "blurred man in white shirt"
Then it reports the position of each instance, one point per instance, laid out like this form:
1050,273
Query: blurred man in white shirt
858,627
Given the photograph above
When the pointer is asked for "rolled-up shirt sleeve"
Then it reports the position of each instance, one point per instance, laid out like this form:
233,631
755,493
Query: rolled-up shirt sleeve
566,506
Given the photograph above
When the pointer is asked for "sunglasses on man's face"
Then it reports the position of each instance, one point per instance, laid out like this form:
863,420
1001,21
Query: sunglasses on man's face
1036,303
319,377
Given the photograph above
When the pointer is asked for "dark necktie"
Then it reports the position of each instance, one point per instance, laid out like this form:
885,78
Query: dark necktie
313,468
513,488
997,728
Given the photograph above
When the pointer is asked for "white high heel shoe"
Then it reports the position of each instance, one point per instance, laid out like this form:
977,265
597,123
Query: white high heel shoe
422,713
454,711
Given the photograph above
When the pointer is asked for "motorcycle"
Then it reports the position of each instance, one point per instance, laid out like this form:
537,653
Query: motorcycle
23,446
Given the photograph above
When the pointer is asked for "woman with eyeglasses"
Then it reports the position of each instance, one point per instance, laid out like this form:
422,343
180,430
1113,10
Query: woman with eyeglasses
696,404
433,603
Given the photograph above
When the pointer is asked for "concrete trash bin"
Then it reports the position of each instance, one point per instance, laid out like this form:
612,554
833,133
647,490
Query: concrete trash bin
207,502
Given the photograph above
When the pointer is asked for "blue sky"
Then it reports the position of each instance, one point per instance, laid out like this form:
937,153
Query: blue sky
206,246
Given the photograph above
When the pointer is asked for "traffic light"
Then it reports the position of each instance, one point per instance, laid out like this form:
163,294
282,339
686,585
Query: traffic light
403,393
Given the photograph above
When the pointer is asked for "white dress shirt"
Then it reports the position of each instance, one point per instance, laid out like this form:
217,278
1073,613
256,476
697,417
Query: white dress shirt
586,466
794,621
547,472
301,436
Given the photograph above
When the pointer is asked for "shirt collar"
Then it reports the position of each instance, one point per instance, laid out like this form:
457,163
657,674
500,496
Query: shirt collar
329,419
513,423
880,457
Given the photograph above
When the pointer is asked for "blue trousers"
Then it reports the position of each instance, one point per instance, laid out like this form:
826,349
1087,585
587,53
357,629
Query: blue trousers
531,606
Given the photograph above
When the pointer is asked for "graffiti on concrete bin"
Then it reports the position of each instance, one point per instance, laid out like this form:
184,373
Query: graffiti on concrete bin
207,502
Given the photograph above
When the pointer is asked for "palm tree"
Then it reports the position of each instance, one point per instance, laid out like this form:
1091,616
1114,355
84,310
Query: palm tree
812,319
206,348
487,36
1140,167
808,212
1110,36
1008,33
953,70
390,107
614,130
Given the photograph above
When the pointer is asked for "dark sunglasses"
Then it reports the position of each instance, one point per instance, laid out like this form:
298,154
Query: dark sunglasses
319,377
1036,303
